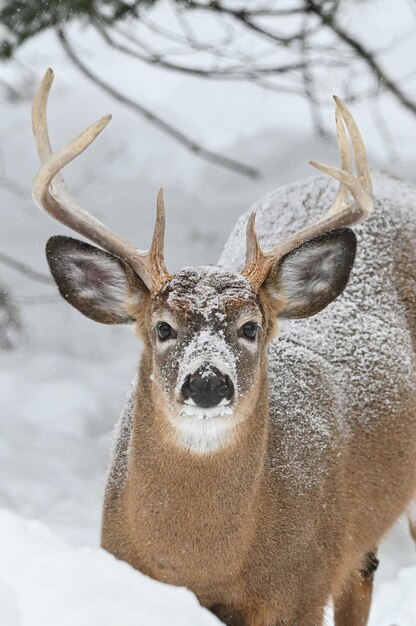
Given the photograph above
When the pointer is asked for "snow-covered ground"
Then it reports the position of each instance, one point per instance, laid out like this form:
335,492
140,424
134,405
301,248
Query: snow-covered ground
47,582
62,386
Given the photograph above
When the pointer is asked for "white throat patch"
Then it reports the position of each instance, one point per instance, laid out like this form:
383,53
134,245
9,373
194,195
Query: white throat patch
204,429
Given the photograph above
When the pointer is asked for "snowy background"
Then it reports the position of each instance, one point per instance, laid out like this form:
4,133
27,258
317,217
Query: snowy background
63,380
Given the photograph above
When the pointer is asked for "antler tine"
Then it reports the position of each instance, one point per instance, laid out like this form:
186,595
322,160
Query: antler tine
254,255
360,186
39,117
253,247
342,212
361,161
41,135
341,198
52,195
156,252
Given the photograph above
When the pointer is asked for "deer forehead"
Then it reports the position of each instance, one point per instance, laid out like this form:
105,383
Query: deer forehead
208,296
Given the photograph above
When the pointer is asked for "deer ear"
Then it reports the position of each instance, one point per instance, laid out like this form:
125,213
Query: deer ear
306,280
97,283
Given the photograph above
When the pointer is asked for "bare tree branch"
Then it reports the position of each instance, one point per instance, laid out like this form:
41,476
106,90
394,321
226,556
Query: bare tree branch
364,54
317,15
246,16
385,132
245,42
13,187
40,299
7,260
12,93
208,155
231,73
10,323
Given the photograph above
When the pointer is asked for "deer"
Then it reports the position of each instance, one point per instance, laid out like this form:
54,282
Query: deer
268,442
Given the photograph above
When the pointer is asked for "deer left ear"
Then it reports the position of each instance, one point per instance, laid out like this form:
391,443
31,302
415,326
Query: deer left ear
97,283
306,280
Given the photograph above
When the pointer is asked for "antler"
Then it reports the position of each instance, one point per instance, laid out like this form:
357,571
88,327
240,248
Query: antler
52,195
343,212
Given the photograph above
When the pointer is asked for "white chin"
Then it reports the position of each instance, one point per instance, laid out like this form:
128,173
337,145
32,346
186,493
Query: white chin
204,429
191,409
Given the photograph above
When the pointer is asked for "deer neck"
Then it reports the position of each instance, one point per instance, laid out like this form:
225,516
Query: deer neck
190,496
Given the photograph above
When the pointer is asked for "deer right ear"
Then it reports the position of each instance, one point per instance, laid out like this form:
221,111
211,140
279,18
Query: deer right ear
100,285
310,277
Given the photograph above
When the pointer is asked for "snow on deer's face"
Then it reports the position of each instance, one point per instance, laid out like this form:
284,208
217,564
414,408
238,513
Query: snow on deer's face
207,335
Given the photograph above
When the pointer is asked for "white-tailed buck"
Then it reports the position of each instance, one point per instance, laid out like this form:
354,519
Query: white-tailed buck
258,464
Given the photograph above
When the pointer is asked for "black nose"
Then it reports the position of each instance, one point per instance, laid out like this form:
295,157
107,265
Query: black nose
207,386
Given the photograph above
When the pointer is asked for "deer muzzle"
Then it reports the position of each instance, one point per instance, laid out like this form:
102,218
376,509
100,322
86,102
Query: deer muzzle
207,387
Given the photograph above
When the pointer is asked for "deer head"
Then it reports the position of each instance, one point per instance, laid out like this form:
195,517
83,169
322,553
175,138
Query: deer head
205,329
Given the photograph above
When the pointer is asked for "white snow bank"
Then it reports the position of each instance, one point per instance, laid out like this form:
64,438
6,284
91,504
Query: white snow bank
45,582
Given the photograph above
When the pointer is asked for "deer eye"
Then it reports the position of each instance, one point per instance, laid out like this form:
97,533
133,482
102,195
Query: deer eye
248,330
165,331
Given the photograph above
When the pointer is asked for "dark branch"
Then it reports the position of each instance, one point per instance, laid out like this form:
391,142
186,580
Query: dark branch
231,73
7,260
364,54
167,128
245,16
